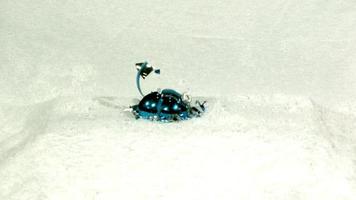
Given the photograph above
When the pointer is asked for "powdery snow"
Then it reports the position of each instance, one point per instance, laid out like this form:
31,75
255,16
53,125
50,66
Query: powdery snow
277,147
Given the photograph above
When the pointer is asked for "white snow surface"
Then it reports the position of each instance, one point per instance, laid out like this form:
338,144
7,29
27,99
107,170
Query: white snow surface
279,77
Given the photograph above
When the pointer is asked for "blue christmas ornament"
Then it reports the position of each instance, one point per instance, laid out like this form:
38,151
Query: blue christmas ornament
163,105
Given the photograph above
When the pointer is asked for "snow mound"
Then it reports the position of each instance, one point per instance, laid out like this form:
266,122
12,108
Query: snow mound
246,147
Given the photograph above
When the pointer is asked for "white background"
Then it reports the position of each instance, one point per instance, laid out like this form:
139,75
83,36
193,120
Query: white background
280,77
